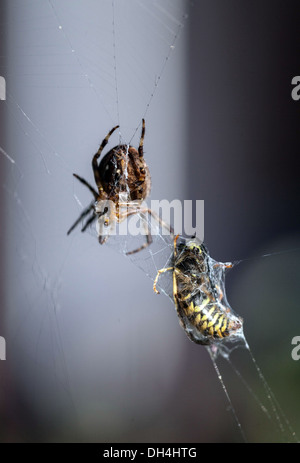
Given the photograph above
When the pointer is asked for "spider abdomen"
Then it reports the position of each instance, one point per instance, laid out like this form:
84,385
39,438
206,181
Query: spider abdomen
121,171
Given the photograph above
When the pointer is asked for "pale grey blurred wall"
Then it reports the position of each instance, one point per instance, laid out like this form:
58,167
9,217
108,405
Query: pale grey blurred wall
92,350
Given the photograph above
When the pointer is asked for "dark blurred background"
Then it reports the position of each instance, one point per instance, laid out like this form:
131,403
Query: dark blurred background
93,355
243,151
243,129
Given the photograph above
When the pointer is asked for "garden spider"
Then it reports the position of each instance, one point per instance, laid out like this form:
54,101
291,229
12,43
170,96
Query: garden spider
124,182
200,303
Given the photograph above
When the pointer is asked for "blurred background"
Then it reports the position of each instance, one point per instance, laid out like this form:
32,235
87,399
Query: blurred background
92,353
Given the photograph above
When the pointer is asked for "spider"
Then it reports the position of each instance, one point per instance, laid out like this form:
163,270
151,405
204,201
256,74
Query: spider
198,298
123,181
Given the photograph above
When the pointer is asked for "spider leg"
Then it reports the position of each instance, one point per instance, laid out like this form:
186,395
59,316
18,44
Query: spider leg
98,154
137,170
148,237
93,217
89,222
162,223
141,145
103,238
84,213
92,190
128,213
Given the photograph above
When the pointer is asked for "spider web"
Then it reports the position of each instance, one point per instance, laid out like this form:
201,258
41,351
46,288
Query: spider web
159,255
60,72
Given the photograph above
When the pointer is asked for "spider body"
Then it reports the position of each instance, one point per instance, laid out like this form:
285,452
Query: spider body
198,297
122,172
123,182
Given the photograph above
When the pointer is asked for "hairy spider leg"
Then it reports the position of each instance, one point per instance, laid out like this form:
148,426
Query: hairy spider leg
88,209
141,145
89,221
84,213
95,216
149,237
98,154
123,216
138,170
92,190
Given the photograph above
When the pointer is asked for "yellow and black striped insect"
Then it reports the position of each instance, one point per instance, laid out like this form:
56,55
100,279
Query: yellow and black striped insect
198,296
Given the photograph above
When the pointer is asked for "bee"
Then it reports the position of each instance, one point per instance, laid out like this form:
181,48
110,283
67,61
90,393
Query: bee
199,300
123,181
